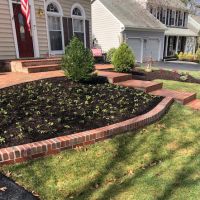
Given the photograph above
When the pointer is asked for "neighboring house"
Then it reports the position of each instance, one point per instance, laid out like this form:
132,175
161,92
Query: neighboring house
116,21
154,29
194,24
173,14
53,23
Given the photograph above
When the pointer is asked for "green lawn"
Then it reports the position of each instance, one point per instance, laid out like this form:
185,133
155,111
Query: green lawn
180,86
159,162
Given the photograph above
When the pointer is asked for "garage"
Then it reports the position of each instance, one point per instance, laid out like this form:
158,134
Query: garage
151,49
145,49
136,45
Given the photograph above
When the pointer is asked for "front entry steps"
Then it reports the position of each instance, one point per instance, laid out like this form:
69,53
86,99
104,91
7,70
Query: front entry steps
114,77
181,97
37,65
146,86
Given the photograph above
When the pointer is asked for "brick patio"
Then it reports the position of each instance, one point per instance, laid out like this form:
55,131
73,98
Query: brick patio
13,78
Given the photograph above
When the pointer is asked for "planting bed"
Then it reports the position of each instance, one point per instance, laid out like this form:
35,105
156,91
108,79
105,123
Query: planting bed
54,107
163,74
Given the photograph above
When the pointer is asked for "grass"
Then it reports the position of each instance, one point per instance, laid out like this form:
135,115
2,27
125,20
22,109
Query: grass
180,86
159,162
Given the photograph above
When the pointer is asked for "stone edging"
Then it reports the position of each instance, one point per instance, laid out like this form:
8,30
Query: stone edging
34,150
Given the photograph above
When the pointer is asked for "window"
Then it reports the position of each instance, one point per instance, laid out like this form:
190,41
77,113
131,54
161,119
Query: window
158,13
163,16
172,17
78,18
52,8
54,17
180,19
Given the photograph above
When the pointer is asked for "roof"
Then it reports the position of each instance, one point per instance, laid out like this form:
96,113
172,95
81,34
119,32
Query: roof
132,15
169,4
196,18
180,32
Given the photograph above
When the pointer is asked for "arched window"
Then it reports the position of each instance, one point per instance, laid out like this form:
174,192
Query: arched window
54,19
77,12
78,18
52,8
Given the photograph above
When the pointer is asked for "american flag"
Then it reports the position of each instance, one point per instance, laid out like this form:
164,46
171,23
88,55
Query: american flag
26,11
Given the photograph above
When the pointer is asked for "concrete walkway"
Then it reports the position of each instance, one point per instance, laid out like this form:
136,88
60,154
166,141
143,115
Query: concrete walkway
13,78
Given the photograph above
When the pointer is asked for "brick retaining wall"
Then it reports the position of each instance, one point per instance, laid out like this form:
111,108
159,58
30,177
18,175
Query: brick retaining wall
34,150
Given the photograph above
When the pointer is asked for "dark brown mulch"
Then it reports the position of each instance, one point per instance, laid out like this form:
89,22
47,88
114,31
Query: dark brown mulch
162,74
50,108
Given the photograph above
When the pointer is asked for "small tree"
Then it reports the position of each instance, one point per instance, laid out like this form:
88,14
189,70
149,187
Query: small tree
123,59
110,54
78,62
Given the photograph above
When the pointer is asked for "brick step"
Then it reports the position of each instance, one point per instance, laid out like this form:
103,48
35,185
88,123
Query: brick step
181,97
195,104
146,86
39,62
42,68
114,77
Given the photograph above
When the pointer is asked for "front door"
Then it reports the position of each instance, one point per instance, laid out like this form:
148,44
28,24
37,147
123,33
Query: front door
24,38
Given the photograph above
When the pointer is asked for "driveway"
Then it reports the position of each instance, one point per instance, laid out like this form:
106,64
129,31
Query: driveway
177,65
13,191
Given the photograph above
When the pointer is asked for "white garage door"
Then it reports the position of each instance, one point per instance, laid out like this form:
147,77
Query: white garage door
136,44
151,49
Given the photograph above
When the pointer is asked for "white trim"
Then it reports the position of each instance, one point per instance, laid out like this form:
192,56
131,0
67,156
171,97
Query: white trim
77,5
166,46
177,40
13,28
60,15
33,29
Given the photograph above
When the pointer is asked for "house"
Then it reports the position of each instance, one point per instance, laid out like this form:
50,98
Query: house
53,23
154,29
174,15
194,24
116,21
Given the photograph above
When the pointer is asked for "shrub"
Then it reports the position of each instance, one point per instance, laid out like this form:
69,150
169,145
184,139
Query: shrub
110,54
198,54
189,57
123,59
78,62
186,56
180,56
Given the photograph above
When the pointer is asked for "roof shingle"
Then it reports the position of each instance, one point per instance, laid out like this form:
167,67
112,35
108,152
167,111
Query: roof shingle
132,15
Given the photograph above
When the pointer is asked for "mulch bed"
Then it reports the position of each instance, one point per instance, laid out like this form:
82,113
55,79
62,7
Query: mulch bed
54,107
162,74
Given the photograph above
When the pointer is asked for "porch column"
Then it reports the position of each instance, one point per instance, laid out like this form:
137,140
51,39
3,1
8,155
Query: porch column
166,45
177,40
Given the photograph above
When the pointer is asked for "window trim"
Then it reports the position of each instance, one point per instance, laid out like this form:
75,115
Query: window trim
60,15
83,17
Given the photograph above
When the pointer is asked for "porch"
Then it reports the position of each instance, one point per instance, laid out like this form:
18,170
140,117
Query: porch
179,40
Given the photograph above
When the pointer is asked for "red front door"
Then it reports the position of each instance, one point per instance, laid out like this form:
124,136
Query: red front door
24,38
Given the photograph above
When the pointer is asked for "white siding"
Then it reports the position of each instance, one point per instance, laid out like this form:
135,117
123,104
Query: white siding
105,27
7,46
